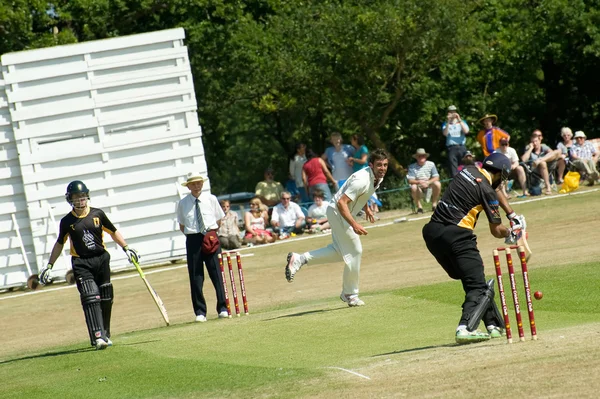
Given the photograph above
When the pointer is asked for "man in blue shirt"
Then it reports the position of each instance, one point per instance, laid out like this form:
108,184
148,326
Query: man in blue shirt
455,129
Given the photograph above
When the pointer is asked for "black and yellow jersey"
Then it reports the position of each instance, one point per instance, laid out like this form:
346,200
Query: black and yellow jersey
469,193
85,232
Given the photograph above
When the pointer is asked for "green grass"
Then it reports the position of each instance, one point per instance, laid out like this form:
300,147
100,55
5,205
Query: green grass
275,352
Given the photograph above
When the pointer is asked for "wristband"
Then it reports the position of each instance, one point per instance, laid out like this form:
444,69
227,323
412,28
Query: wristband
50,266
126,247
511,215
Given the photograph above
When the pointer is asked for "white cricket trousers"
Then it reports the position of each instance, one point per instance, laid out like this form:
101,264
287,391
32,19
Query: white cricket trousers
346,246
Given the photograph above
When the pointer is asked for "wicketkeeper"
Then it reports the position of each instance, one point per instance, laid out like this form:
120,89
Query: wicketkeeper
91,262
450,239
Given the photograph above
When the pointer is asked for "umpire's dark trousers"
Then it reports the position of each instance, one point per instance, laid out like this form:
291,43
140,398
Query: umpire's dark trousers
196,261
455,249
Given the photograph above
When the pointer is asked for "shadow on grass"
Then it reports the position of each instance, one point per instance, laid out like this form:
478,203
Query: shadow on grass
68,352
417,349
49,354
306,313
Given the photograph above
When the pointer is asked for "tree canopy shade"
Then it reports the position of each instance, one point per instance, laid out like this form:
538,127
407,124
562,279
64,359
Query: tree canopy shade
270,73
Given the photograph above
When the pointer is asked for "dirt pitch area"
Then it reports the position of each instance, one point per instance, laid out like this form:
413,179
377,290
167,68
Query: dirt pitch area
562,230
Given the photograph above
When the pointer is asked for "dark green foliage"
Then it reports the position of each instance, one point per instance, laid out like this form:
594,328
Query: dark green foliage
270,73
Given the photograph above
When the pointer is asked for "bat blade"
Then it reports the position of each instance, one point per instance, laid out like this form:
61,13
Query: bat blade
159,303
523,242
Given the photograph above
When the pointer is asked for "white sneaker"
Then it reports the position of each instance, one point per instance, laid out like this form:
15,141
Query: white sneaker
352,300
108,341
201,318
284,236
468,337
294,263
223,315
101,344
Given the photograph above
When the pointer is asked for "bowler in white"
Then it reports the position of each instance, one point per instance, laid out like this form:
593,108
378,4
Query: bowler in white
350,199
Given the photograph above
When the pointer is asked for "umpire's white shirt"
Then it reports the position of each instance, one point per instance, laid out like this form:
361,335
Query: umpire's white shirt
209,207
359,188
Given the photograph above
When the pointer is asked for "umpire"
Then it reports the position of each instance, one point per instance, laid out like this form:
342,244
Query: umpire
91,262
199,216
450,239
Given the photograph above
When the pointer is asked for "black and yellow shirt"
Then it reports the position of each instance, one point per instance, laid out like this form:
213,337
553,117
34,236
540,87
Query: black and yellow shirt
469,193
85,232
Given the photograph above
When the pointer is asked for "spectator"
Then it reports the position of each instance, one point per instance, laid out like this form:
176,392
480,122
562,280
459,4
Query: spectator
489,137
298,160
255,221
269,190
468,159
584,157
287,217
516,170
315,175
541,158
229,232
564,147
337,157
422,175
455,129
317,214
360,159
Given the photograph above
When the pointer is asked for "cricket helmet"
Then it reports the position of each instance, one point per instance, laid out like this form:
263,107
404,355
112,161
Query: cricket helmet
77,187
497,163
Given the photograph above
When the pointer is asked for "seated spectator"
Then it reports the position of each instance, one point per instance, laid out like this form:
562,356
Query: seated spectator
287,217
317,214
229,232
255,221
315,175
468,159
269,191
489,137
337,157
516,170
422,175
584,157
540,158
564,147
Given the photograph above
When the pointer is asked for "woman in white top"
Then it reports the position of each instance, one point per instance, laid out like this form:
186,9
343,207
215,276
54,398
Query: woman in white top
255,221
317,214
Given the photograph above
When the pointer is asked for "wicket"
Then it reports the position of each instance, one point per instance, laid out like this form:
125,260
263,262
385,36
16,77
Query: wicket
232,280
513,287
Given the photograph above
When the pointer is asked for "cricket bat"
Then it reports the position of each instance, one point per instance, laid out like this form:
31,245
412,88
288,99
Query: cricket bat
159,303
523,241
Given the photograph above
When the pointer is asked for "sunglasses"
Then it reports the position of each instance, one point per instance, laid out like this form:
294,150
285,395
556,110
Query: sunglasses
286,198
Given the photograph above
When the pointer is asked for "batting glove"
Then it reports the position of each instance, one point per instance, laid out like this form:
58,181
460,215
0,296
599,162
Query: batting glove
517,221
513,237
132,254
44,274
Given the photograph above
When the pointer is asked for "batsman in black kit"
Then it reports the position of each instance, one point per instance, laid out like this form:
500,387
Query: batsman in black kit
84,226
450,239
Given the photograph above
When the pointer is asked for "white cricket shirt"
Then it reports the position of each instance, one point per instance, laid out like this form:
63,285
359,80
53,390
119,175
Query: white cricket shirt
359,188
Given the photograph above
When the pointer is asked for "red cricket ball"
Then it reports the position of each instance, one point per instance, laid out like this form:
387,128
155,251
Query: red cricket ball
538,295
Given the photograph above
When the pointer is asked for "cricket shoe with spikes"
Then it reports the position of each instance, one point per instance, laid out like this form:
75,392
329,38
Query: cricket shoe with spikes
294,262
469,337
495,332
101,344
352,300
